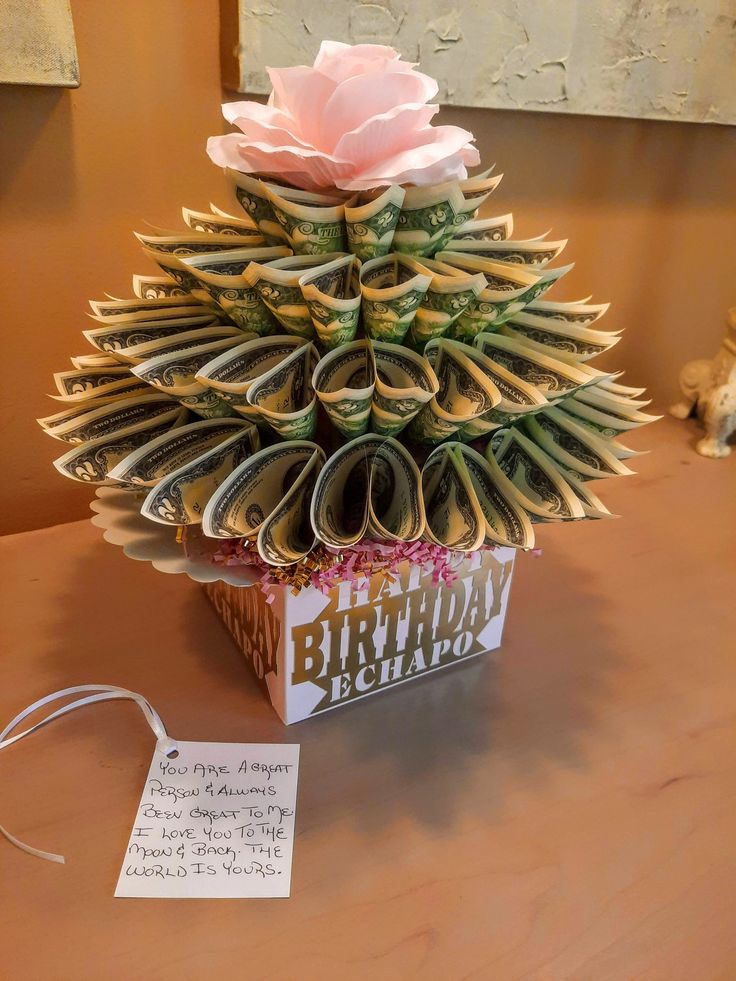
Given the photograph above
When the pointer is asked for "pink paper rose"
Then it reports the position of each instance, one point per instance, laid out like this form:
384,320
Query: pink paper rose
359,118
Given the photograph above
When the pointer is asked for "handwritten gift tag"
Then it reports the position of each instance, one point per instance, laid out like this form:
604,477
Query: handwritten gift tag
217,822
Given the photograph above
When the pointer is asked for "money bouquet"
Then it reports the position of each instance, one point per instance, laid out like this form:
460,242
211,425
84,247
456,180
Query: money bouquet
355,361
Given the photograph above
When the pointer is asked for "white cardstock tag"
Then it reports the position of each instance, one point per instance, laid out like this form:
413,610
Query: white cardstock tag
217,822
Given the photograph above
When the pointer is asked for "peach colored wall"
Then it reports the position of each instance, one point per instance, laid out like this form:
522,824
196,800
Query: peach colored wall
79,169
650,209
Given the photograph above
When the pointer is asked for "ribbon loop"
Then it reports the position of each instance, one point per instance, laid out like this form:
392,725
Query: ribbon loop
96,693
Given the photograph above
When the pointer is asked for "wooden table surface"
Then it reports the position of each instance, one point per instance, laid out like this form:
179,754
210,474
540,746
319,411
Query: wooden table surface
566,810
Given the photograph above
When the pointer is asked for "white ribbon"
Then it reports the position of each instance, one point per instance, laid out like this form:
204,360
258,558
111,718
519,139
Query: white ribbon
100,693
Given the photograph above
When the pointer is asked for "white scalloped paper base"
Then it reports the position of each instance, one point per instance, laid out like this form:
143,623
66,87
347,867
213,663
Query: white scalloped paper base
117,512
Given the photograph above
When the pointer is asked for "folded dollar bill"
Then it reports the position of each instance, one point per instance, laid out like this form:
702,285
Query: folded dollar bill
332,295
88,421
218,222
371,223
232,373
175,373
507,523
486,229
537,252
537,481
557,338
454,518
371,485
392,289
313,223
277,283
573,446
267,498
147,464
181,496
284,395
156,287
92,461
344,381
221,276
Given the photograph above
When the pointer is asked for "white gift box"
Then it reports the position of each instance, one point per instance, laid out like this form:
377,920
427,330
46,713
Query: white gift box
315,651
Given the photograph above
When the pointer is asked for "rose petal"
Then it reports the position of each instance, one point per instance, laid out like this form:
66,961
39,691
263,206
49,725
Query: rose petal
224,151
340,61
303,93
262,132
437,143
385,135
254,110
354,101
309,169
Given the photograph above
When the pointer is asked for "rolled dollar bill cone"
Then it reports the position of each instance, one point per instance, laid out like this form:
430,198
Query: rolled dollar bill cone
156,287
405,382
218,224
175,341
92,461
92,382
573,446
429,216
117,390
89,422
391,290
284,396
607,401
155,459
116,339
172,266
568,342
221,275
523,251
395,502
479,187
76,409
518,398
287,536
592,504
507,523
253,490
314,224
579,312
507,288
369,484
84,361
539,485
190,243
465,393
486,229
181,496
161,307
332,295
370,225
454,516
605,423
554,378
475,191
232,373
254,200
151,316
344,380
268,498
175,374
616,388
450,292
277,283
